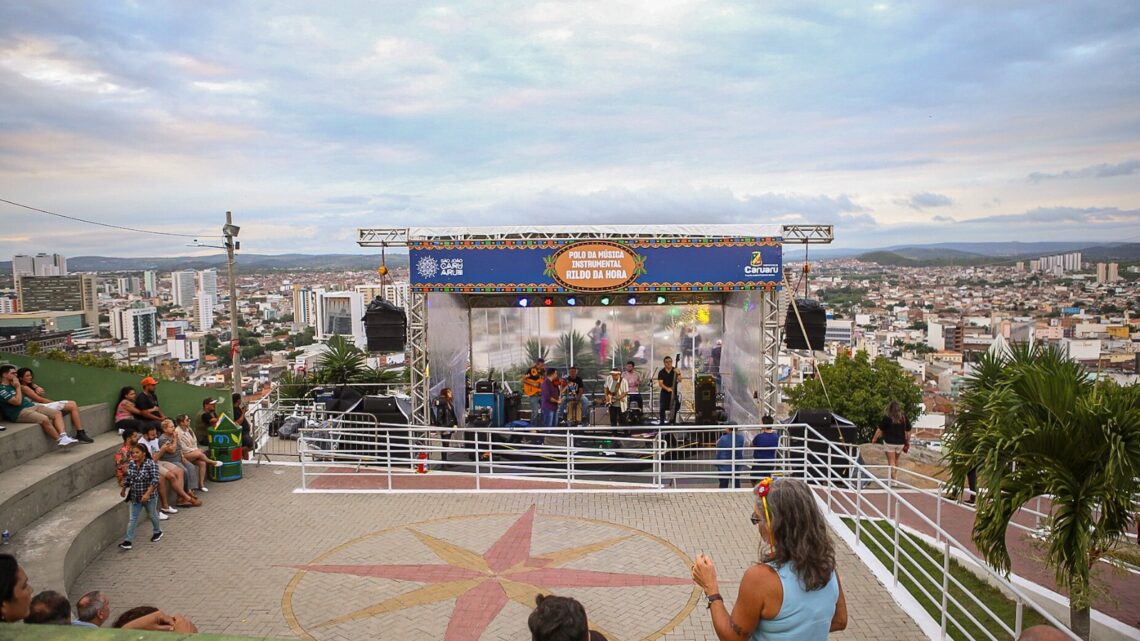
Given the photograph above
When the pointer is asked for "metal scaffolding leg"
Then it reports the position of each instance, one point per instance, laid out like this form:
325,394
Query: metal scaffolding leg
769,352
418,368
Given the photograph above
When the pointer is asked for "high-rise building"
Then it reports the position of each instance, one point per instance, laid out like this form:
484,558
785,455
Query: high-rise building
208,284
395,293
72,293
150,283
138,326
341,313
1101,273
1113,273
182,287
204,311
305,307
22,265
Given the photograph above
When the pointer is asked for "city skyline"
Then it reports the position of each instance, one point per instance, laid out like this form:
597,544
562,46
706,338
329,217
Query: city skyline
899,124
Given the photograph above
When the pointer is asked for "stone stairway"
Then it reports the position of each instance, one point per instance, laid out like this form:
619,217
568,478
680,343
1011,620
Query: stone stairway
61,504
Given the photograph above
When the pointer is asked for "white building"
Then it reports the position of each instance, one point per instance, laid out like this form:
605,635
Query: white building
208,285
395,293
840,331
204,311
49,265
341,313
138,326
182,287
150,283
305,307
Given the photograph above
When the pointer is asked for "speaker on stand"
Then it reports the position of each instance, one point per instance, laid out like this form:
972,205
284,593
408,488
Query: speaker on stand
814,330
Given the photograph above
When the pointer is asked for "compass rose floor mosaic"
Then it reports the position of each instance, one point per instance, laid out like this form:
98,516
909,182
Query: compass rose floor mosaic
261,561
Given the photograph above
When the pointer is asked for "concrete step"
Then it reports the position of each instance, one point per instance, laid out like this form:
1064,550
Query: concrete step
36,487
24,442
62,543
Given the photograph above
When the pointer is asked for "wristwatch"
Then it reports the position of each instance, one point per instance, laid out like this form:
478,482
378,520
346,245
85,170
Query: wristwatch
713,597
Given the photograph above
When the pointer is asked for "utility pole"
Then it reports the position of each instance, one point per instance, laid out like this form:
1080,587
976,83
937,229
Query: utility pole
230,230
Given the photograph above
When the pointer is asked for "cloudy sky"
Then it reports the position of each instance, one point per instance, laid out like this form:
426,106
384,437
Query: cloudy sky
898,122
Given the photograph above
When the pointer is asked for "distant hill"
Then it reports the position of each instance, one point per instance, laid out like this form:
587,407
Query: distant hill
920,257
1004,249
945,254
245,262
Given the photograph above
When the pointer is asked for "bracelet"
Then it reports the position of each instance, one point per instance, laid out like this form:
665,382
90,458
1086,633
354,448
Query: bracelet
714,597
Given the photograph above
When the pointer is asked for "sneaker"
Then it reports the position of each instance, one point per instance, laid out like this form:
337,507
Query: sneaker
202,489
3,427
125,545
218,463
82,437
168,510
162,516
65,440
156,537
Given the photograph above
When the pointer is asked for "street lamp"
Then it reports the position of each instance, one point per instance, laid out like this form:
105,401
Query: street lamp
230,231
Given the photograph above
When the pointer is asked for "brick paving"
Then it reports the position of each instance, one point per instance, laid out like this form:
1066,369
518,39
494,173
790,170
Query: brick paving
259,560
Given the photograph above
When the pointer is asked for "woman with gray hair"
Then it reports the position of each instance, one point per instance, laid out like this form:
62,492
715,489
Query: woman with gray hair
794,593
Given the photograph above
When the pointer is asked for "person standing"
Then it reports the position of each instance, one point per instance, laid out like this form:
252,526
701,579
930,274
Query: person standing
764,447
795,592
574,397
730,447
532,389
714,361
241,419
633,382
668,380
894,430
550,391
617,396
603,343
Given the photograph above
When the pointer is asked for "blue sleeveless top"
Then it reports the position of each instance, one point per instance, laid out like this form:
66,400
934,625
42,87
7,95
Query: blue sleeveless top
803,616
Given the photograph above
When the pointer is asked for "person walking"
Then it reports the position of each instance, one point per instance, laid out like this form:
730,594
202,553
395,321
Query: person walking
794,592
140,487
894,431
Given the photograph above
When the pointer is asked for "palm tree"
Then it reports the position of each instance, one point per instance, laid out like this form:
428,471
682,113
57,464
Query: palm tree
342,362
574,347
1033,423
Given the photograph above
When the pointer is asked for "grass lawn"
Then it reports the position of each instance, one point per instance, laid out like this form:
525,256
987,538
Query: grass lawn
878,536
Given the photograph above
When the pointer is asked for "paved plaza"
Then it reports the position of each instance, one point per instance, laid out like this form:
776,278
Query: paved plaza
259,560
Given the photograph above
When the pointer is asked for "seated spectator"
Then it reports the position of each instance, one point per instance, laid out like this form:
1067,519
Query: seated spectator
126,414
146,402
15,591
560,618
172,475
190,450
139,487
18,408
242,421
50,608
92,610
36,393
209,416
170,451
147,617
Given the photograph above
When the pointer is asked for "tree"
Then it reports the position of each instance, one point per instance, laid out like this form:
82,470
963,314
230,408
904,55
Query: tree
858,389
342,363
1032,423
574,344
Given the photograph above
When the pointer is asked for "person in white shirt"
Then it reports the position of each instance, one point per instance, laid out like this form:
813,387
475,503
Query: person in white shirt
633,382
617,396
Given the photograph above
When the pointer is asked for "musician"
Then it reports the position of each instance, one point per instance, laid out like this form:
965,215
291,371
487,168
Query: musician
617,396
532,390
668,381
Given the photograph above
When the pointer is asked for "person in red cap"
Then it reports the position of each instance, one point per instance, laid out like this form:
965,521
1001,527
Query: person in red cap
147,403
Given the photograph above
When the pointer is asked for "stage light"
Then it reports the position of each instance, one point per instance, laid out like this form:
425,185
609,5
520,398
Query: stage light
632,300
548,301
660,299
524,301
605,300
572,301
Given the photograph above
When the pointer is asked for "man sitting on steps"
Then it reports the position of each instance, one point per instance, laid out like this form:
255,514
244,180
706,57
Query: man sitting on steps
20,409
36,393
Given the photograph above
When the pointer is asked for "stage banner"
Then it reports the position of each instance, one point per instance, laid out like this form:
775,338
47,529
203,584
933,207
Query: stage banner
547,266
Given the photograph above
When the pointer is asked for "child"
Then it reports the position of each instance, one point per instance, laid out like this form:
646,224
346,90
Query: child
139,487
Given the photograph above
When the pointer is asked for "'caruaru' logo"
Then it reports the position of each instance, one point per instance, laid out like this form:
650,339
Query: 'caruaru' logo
757,266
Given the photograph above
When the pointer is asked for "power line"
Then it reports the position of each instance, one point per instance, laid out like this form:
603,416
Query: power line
95,222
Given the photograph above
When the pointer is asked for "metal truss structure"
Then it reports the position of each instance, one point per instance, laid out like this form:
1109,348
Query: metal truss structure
770,341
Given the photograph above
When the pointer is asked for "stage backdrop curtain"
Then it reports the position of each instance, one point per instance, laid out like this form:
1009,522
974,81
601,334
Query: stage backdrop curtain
449,346
740,358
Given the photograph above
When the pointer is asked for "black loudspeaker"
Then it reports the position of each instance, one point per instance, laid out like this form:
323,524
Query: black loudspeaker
815,325
486,387
704,400
387,409
385,326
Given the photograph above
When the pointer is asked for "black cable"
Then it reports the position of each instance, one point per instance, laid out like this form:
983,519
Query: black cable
93,222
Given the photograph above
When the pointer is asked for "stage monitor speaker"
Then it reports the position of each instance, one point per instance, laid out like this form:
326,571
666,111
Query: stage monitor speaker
486,386
343,399
814,329
704,400
385,326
